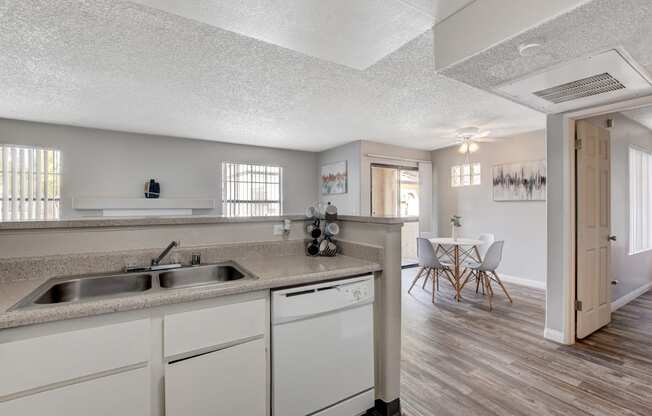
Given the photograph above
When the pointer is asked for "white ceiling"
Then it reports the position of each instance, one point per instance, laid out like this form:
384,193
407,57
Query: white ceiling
124,66
641,115
593,27
352,33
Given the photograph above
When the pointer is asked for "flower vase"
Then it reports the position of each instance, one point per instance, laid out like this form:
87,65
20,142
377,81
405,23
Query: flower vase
453,234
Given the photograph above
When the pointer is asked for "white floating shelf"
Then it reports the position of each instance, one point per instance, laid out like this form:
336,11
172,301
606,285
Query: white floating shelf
122,207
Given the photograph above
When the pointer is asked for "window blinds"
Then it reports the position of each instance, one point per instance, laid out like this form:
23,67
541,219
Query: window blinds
30,183
640,200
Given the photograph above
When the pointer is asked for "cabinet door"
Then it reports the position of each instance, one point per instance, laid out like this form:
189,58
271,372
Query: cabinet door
120,394
232,381
58,358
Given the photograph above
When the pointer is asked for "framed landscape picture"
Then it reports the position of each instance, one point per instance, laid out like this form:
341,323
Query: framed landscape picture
523,181
333,178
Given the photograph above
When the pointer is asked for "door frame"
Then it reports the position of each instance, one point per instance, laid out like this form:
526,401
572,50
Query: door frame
567,235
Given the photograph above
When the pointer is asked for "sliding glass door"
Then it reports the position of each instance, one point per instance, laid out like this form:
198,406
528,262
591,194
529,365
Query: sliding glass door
395,193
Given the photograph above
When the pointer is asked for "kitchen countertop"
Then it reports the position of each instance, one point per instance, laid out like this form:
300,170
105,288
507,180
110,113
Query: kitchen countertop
104,222
270,271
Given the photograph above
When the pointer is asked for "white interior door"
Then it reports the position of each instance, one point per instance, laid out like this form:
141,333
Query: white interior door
593,157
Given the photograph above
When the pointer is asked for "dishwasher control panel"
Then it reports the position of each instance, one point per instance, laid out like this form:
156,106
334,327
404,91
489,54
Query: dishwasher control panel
301,302
359,291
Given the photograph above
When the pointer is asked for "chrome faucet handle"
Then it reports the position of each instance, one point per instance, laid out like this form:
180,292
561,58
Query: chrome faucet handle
195,259
156,261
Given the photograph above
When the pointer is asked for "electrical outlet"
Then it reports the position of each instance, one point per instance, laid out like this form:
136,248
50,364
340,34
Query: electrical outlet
278,229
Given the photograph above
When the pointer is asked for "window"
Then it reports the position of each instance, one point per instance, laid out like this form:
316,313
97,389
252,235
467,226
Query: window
251,190
30,183
640,201
465,175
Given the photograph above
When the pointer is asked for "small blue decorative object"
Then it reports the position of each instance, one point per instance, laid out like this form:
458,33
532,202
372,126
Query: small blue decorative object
152,189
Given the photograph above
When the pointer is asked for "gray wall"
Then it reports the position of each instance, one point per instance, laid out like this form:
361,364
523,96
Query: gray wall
348,203
522,225
114,164
633,271
357,201
558,204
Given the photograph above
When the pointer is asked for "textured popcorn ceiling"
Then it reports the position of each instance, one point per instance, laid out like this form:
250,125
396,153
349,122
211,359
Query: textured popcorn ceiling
593,27
353,33
641,115
123,66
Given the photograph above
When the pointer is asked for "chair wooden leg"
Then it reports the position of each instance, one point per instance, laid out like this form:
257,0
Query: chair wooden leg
437,279
449,276
419,273
426,279
502,286
483,282
489,291
477,281
467,276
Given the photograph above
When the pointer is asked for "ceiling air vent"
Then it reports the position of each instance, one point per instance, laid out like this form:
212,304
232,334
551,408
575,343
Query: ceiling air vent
585,87
593,80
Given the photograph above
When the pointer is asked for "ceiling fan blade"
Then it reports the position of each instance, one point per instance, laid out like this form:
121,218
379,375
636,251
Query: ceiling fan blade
485,140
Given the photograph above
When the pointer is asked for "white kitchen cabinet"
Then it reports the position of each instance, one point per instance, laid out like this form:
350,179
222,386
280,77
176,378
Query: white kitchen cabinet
41,361
231,381
210,355
124,394
187,331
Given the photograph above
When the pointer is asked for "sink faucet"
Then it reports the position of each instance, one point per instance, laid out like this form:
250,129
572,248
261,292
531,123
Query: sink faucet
157,260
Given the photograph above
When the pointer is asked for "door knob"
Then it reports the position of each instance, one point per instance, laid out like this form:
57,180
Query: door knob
612,238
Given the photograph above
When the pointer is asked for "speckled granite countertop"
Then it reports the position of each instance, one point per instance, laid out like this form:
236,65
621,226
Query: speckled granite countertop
270,272
103,222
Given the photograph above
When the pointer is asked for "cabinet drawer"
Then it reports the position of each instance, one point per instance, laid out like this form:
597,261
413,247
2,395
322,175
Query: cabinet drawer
231,381
206,328
120,394
37,362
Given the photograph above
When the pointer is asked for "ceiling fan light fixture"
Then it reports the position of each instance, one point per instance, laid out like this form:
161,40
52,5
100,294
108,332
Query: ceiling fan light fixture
464,147
467,132
473,147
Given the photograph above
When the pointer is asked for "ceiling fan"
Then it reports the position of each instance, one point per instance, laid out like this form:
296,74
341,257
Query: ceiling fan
469,137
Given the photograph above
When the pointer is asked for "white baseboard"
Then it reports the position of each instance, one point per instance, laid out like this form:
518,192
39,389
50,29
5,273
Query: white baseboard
624,300
523,282
553,335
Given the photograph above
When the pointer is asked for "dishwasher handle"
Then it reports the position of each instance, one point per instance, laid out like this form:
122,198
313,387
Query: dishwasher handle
310,291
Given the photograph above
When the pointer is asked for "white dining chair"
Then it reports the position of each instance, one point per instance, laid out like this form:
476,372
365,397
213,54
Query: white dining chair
443,258
429,266
487,240
484,272
427,235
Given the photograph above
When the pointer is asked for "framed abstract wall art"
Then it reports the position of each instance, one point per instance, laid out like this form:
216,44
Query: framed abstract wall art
334,178
523,181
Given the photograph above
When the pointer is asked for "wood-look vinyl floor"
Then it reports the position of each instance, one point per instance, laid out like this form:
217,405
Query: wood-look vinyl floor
461,359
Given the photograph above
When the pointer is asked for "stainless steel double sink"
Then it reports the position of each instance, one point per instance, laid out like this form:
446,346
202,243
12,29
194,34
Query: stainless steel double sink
94,287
